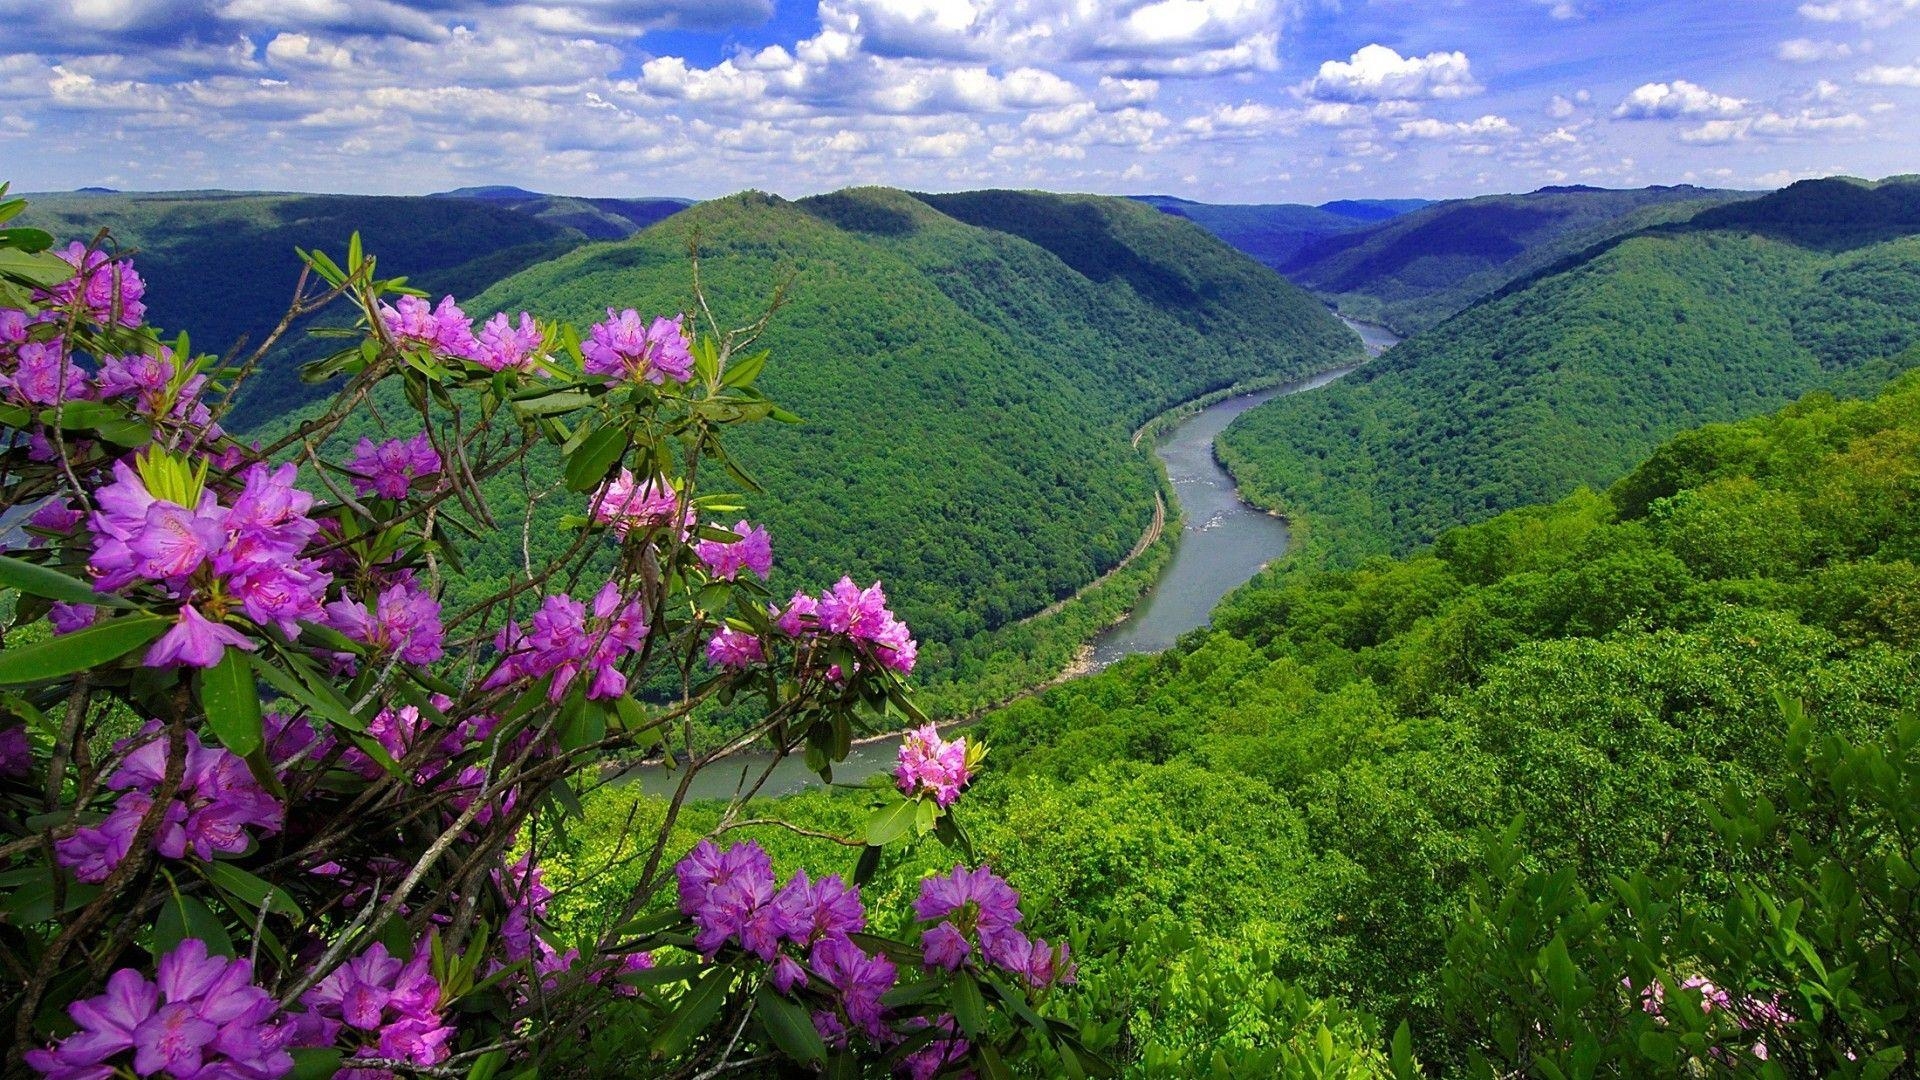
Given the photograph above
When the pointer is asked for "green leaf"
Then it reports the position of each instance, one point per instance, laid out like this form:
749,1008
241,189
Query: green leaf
742,372
891,822
589,465
789,1025
99,644
232,701
52,584
553,404
969,1007
253,891
183,917
316,1063
695,1013
316,696
36,268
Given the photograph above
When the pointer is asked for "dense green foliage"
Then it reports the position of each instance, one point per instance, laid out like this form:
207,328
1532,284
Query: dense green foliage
1274,233
1410,272
1305,810
968,394
1572,378
222,264
595,218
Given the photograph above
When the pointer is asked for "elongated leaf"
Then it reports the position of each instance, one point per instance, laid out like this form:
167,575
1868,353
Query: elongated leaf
183,917
695,1013
313,693
52,584
232,701
790,1026
587,466
250,890
891,822
316,1063
743,371
101,643
969,1007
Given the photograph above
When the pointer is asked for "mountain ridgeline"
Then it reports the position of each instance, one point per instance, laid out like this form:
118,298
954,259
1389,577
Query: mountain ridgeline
222,266
1571,376
1413,270
1274,233
969,369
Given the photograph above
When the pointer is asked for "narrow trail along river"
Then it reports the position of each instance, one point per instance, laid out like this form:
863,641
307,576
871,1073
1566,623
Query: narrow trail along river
1223,542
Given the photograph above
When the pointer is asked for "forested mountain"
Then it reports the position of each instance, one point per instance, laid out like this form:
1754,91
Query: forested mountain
595,218
969,369
1274,233
1297,813
1410,271
222,266
1569,378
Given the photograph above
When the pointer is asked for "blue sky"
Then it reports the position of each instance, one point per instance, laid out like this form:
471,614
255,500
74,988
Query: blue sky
1222,100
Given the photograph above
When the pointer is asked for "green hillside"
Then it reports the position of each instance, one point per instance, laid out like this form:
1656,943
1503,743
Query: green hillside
595,218
1569,379
1294,815
1410,272
968,394
221,265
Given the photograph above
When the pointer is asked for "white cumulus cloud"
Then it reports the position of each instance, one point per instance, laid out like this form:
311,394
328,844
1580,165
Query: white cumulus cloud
1377,73
1678,99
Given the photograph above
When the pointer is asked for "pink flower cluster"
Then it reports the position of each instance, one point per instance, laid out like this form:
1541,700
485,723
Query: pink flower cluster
975,912
200,1018
627,505
383,1008
108,290
860,615
623,348
563,641
389,469
732,898
731,649
505,346
930,765
444,329
404,620
1751,1013
217,801
249,552
726,558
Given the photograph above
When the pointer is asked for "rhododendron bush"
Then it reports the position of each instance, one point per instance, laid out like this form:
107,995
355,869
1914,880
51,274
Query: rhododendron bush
273,808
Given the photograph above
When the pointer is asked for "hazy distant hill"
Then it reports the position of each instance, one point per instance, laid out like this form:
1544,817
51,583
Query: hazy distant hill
1275,233
1410,271
221,265
596,218
1568,378
969,379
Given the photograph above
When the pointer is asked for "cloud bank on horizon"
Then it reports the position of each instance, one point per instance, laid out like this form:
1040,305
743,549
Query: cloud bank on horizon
1222,100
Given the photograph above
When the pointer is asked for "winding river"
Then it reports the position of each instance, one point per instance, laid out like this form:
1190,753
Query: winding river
1222,543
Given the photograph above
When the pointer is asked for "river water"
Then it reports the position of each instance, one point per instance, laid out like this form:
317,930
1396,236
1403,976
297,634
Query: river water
1223,542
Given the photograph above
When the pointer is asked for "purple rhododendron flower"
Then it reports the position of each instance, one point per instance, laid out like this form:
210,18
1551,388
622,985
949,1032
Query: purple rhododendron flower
627,505
861,981
44,375
16,751
385,1008
863,615
66,618
195,642
405,619
725,559
503,346
945,1050
561,640
621,347
218,800
109,291
201,1018
734,650
444,329
389,469
980,907
931,765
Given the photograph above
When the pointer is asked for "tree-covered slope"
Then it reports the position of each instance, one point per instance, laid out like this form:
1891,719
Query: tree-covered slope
967,394
1570,378
221,265
1300,799
595,218
1273,233
1411,271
